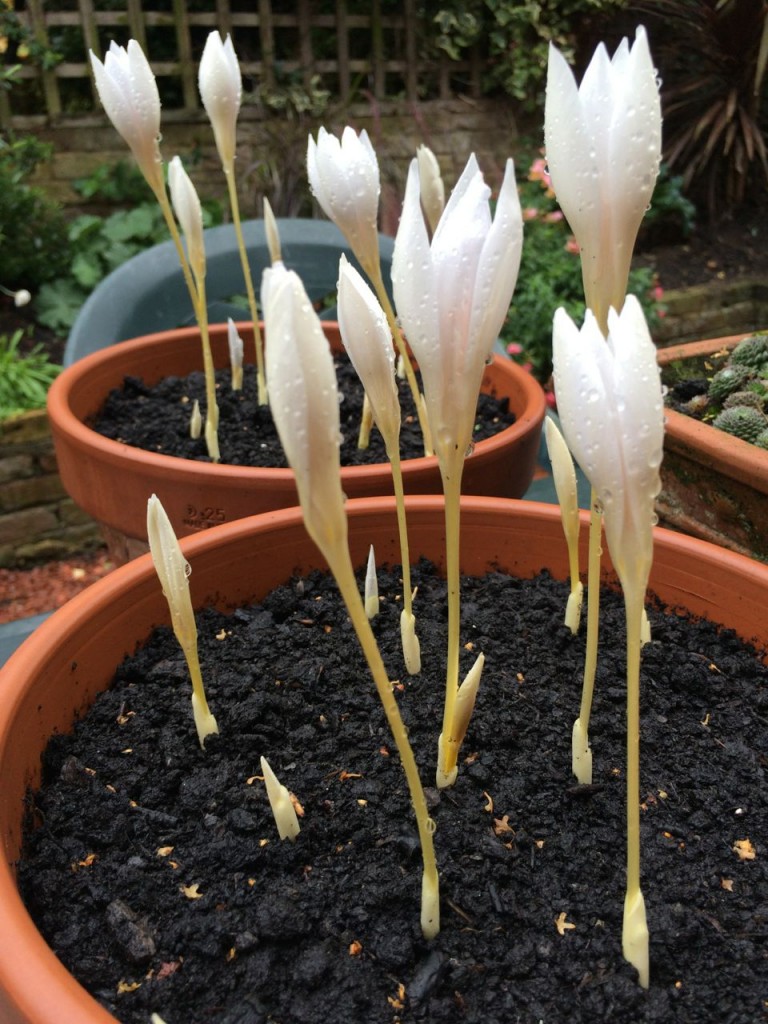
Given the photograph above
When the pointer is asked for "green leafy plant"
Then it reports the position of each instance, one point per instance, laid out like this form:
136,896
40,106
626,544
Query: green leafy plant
120,182
24,379
33,233
96,247
515,37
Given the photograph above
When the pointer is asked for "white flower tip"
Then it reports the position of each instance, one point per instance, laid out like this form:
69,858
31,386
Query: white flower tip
22,297
573,607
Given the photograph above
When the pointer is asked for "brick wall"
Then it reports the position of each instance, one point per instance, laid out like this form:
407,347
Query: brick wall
38,521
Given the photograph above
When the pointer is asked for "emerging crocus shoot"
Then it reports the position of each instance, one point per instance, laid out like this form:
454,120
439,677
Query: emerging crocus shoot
368,342
128,92
235,343
371,587
186,204
452,296
221,90
173,572
344,178
304,402
619,446
432,187
272,234
195,421
280,801
564,477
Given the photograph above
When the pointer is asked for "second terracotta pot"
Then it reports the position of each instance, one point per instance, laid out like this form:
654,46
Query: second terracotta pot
714,485
112,481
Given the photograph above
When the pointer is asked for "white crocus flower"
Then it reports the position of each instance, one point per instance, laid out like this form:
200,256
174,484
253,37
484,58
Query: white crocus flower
603,145
221,90
128,92
368,342
186,205
344,178
610,404
453,295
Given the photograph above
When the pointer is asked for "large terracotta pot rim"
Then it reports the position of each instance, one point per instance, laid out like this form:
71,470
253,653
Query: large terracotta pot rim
40,989
704,443
59,405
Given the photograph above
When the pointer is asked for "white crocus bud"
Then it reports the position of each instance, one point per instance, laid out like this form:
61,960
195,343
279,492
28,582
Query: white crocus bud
304,401
221,90
432,187
189,213
22,297
195,421
280,801
371,587
235,343
603,143
173,572
611,411
344,178
368,343
453,294
128,92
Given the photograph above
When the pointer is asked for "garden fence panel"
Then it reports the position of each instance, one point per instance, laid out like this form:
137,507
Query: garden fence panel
373,51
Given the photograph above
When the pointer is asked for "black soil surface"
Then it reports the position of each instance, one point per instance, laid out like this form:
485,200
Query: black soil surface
157,875
157,418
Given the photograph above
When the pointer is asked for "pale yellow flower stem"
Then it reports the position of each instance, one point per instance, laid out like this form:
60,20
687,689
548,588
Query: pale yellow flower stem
593,612
448,751
374,273
581,754
340,565
261,380
211,406
405,559
635,929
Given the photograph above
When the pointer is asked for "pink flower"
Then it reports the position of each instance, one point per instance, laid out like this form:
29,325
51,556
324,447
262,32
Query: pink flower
514,348
550,399
530,213
572,246
657,292
539,172
553,216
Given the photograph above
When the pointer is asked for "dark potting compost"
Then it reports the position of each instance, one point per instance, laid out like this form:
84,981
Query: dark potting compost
155,872
156,418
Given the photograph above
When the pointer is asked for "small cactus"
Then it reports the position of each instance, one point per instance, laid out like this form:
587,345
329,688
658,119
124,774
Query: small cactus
761,441
750,398
751,352
742,421
728,380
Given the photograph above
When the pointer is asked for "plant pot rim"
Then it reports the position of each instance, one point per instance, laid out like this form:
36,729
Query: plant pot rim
158,465
40,990
705,444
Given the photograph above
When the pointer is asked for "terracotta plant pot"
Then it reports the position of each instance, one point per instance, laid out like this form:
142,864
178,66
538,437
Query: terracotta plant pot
112,481
53,677
714,485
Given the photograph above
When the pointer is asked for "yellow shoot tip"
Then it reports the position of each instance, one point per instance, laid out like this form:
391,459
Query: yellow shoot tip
573,607
634,937
466,696
410,642
581,754
280,801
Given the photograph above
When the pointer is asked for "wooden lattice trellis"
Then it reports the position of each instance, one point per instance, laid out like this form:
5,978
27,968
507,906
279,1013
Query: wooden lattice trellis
376,53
